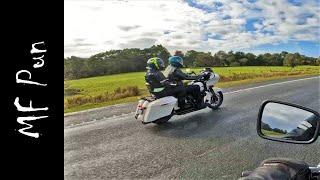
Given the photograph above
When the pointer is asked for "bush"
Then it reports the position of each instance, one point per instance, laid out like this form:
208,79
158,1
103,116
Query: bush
233,64
71,92
118,93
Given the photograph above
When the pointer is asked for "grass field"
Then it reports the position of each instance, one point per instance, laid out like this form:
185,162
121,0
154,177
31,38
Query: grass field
271,133
106,90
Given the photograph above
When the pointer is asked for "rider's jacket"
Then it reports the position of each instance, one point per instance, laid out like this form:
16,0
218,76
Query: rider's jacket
176,75
156,80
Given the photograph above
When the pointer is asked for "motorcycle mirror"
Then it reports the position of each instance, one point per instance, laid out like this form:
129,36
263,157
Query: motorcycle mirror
208,69
286,122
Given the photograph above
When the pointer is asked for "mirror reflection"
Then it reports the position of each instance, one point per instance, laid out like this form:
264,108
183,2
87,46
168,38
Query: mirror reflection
287,122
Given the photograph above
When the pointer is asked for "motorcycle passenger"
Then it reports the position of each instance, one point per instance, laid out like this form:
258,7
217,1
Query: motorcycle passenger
174,74
156,81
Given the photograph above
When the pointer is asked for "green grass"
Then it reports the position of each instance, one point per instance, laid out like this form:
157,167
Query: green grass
230,76
271,133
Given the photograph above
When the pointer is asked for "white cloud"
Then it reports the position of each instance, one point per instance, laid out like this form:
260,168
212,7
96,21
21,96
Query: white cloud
96,26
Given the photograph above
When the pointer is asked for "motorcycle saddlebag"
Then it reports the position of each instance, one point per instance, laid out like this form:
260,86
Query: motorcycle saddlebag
159,108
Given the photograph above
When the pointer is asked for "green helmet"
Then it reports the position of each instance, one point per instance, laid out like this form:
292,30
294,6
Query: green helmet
155,63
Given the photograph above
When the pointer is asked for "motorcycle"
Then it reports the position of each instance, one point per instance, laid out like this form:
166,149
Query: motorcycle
150,109
288,123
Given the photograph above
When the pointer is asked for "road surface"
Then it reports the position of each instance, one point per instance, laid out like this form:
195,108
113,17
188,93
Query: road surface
202,145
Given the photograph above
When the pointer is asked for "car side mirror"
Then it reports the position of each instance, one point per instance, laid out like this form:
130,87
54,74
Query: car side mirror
285,122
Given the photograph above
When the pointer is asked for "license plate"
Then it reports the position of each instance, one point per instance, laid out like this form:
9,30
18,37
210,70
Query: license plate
139,112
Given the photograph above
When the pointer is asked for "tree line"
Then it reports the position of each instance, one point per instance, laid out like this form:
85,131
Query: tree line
267,127
134,59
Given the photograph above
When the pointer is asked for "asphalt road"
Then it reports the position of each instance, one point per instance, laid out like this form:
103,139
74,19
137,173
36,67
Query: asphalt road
202,145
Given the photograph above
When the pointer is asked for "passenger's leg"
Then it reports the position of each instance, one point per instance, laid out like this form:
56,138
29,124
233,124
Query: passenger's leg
180,93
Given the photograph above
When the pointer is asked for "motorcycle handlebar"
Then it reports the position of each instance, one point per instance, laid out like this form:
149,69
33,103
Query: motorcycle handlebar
315,169
192,73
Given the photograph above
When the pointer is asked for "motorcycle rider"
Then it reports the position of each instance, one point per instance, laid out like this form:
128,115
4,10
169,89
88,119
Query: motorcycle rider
174,74
157,82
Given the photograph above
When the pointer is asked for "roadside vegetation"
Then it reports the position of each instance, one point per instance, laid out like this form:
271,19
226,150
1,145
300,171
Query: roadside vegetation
106,90
272,133
134,60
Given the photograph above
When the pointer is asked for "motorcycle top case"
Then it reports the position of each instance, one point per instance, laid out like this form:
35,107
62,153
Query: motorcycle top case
157,109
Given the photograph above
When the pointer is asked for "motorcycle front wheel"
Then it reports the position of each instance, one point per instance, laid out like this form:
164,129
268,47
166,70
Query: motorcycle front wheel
216,102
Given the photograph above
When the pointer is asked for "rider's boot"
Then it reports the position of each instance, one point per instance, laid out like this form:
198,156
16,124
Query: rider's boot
181,102
200,103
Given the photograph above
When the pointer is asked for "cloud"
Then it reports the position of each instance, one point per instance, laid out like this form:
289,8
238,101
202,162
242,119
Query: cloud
128,28
204,25
138,43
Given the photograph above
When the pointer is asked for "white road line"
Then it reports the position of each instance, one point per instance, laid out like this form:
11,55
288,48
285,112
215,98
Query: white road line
240,90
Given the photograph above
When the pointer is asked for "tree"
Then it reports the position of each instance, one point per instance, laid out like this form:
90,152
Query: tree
231,58
220,58
157,51
203,59
190,57
265,126
239,55
235,63
251,59
75,67
317,62
289,60
260,60
243,61
293,59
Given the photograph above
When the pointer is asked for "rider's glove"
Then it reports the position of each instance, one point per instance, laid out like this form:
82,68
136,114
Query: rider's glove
165,82
280,168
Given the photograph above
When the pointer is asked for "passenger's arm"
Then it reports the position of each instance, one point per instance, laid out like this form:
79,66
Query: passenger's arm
178,73
162,79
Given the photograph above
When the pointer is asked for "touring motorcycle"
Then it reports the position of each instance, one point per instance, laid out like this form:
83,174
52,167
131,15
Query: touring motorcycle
150,109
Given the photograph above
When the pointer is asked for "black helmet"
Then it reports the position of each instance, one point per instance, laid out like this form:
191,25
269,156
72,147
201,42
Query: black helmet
155,63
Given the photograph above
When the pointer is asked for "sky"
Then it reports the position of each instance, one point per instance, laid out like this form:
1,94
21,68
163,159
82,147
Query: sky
257,26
